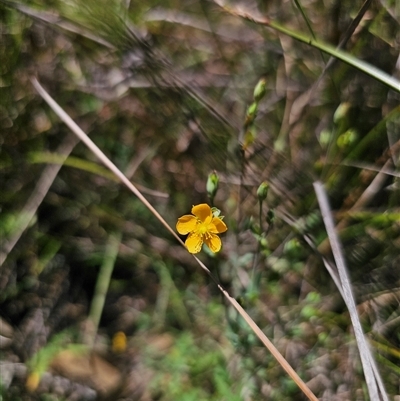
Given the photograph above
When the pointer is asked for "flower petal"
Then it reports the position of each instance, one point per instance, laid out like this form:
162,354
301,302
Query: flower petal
220,226
194,243
186,224
202,211
213,242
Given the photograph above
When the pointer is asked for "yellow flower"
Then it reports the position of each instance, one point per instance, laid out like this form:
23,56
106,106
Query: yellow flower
32,381
202,226
119,342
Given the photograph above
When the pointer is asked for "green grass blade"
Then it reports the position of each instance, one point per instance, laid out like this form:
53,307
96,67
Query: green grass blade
326,48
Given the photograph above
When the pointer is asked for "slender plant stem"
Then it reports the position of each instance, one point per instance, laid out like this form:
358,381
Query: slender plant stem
102,284
318,44
257,254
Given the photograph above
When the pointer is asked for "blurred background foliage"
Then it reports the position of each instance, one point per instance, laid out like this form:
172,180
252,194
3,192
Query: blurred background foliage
165,90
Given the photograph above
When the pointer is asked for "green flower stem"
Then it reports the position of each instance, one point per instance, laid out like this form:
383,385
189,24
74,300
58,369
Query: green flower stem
257,253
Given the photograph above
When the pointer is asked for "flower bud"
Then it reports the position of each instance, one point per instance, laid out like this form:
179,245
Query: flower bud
249,138
212,184
341,112
252,109
259,90
347,139
251,114
262,191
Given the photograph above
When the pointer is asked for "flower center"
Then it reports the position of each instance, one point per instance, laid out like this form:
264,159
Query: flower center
202,228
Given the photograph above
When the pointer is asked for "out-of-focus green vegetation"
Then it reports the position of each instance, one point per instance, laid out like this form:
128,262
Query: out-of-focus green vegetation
171,92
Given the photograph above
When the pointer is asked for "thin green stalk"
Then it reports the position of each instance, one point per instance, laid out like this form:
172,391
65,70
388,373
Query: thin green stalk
329,49
257,253
102,284
308,23
341,55
306,19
